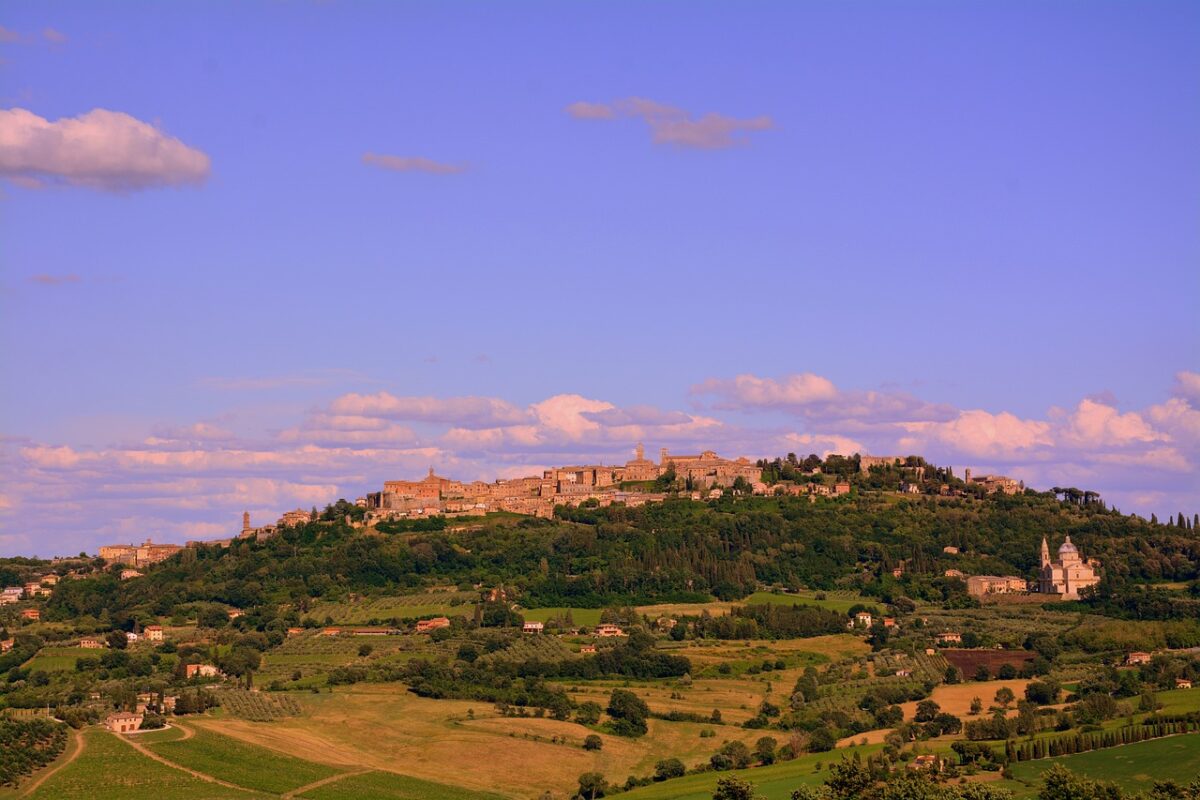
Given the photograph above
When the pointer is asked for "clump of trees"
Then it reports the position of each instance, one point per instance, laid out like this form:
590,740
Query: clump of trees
27,745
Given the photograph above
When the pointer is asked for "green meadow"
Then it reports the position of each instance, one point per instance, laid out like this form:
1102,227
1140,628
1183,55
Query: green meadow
1134,767
50,659
390,786
242,763
110,769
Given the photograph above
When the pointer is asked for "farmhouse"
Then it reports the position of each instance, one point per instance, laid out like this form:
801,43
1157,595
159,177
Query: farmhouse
154,633
532,627
1135,658
862,619
609,629
949,637
427,625
130,636
123,722
91,644
1183,683
31,614
6,645
927,761
588,648
200,670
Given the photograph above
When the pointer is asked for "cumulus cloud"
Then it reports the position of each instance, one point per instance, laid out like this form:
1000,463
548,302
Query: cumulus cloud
411,164
1187,385
675,126
980,434
54,36
197,476
105,150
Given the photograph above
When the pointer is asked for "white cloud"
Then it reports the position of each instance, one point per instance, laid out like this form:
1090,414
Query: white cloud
101,149
191,476
675,126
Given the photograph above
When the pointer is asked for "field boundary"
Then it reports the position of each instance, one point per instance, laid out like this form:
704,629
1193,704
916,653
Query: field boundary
331,779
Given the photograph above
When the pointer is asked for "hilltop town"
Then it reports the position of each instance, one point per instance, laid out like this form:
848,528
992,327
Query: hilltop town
695,613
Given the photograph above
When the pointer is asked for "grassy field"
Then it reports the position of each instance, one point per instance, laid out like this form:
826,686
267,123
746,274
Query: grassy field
109,769
241,763
1134,767
50,659
390,786
384,727
834,601
586,617
776,782
425,604
1179,701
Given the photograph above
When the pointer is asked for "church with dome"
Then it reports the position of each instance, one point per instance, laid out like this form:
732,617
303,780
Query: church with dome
1067,576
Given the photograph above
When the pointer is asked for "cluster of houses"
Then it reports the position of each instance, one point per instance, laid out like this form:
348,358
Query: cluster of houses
1138,658
865,620
42,586
603,630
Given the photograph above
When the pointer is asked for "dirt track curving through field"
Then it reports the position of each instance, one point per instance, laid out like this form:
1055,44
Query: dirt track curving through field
78,744
315,784
146,751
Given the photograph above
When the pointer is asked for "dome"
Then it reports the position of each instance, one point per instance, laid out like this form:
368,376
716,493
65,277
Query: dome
1067,547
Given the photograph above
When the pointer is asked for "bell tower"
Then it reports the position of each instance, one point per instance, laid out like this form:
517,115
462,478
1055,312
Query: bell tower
1045,553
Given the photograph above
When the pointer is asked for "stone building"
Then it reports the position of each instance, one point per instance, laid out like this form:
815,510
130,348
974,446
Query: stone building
866,462
994,483
123,722
138,555
980,585
709,469
640,468
1067,576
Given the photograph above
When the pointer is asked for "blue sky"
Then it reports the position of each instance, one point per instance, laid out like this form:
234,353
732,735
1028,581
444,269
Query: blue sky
941,210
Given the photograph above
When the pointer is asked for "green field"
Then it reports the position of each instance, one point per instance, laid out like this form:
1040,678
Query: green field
242,763
1179,701
834,601
50,659
586,617
390,786
109,769
776,782
1134,767
410,606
